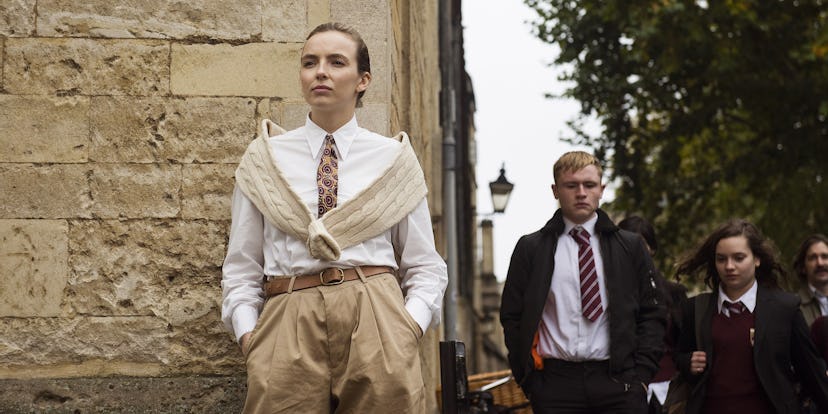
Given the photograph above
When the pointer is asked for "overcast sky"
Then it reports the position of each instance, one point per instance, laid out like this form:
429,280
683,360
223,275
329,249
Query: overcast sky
515,124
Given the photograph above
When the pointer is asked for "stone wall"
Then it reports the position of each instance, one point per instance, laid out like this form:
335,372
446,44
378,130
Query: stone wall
121,123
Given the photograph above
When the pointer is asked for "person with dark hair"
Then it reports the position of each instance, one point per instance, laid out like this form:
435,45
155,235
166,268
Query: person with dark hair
581,316
331,275
811,266
673,295
754,343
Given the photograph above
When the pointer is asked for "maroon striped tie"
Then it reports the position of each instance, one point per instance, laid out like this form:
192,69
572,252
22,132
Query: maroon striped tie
590,294
734,308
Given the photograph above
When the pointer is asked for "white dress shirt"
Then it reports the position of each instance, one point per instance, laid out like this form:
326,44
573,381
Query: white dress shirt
256,248
565,333
748,299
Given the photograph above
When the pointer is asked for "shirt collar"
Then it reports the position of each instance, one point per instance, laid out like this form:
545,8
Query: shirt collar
815,293
344,137
589,225
748,299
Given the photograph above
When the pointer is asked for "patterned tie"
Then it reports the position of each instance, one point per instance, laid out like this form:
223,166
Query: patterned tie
590,294
327,177
734,308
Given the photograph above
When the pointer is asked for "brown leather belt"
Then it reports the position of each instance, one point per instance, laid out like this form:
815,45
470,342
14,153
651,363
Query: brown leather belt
327,277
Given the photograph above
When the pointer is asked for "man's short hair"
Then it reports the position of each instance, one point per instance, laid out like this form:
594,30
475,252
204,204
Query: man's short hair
574,161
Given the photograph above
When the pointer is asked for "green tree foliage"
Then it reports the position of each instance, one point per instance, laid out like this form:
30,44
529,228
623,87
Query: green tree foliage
708,110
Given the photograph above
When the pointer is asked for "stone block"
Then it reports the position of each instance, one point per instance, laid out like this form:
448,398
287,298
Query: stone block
61,342
17,18
140,267
371,20
135,190
145,130
199,342
268,109
46,66
197,305
34,257
255,69
294,114
375,117
206,191
319,11
125,394
198,19
43,129
44,191
285,21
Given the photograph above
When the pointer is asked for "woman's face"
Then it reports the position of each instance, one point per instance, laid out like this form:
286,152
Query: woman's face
329,76
736,265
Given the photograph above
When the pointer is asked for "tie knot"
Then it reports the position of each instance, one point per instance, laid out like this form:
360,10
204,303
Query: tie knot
327,150
580,235
734,308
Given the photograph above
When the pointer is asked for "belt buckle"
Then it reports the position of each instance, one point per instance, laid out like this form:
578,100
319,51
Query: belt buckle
333,282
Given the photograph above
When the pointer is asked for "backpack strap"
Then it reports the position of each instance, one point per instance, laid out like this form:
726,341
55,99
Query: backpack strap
702,301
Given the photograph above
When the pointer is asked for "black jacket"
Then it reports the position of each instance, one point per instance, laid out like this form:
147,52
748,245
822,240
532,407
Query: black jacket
782,352
636,316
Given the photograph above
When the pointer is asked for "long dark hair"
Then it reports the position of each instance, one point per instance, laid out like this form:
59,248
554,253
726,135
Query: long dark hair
703,259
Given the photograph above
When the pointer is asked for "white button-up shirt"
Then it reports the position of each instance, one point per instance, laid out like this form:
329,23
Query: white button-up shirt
748,299
564,332
256,248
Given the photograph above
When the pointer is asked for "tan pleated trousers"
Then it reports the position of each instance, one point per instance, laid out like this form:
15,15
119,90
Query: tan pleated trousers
349,348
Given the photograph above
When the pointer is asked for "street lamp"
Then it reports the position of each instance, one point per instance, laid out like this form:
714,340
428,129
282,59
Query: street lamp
501,189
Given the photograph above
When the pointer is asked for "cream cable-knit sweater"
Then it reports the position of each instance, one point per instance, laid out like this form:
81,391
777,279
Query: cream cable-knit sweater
372,211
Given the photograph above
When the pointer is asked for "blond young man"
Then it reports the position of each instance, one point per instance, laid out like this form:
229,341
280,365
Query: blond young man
580,312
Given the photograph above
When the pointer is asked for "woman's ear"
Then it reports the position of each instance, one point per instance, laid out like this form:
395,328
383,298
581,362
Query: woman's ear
364,81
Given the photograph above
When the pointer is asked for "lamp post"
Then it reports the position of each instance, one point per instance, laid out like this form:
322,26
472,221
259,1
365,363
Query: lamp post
453,352
486,296
501,189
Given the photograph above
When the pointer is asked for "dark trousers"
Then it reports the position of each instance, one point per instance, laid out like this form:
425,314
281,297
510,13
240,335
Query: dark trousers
565,387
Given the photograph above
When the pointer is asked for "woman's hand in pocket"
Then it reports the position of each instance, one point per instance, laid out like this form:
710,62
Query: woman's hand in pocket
244,342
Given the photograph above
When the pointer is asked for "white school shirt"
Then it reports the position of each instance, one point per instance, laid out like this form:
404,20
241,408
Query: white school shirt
748,299
256,248
565,333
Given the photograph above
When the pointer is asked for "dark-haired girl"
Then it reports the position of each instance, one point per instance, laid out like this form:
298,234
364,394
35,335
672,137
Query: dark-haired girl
753,341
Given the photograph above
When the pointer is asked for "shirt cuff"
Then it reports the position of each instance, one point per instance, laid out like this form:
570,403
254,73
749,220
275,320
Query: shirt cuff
244,320
419,310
